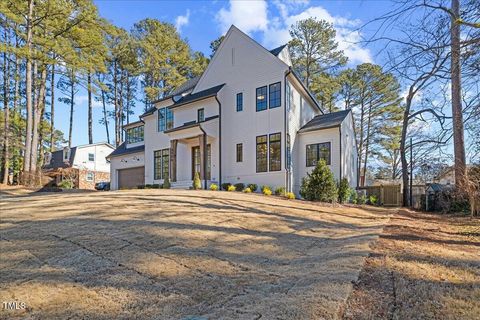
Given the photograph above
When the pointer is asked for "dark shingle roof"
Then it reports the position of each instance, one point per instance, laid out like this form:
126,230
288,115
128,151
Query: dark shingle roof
277,51
325,121
57,159
210,92
186,86
122,149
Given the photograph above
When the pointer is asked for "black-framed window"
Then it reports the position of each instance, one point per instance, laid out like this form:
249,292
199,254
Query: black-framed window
200,115
317,151
261,98
91,157
275,95
161,159
275,152
135,134
165,119
261,153
239,101
239,152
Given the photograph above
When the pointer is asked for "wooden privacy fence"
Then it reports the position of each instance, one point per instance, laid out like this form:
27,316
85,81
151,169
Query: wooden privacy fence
387,195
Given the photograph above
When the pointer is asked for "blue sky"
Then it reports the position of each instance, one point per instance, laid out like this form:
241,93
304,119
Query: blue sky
202,21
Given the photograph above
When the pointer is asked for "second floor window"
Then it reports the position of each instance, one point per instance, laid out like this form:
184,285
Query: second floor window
91,157
200,115
165,119
261,98
134,135
239,102
275,93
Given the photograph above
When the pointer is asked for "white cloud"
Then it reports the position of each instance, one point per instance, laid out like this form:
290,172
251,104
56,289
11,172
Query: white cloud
182,21
249,16
347,37
82,100
254,16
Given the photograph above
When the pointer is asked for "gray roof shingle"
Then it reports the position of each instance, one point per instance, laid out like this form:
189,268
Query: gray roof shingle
277,50
325,121
122,149
57,159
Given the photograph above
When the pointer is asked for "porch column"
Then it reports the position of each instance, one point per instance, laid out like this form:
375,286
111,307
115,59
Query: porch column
173,160
202,156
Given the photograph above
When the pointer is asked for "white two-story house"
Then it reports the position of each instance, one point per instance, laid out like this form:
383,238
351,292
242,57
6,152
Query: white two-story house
247,119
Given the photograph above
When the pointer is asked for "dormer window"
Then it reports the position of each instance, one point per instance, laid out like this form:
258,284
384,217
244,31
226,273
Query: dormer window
134,135
66,154
200,115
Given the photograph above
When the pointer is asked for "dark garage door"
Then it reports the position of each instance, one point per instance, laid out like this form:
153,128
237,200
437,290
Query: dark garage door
131,178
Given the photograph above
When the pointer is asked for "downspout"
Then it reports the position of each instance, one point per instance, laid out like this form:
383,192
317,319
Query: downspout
204,147
219,141
341,155
287,175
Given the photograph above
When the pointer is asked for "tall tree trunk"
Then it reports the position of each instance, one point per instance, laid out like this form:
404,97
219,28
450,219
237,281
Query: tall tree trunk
6,84
52,109
37,119
128,98
403,153
16,76
120,107
360,145
458,139
28,89
72,102
367,142
105,117
116,106
90,116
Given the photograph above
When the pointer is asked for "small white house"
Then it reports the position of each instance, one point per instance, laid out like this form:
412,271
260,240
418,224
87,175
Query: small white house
248,119
86,163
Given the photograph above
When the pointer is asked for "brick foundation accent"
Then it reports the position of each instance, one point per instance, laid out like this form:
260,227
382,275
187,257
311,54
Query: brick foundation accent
98,176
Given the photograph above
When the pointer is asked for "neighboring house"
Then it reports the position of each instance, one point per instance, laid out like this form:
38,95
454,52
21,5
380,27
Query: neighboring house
85,165
446,176
247,119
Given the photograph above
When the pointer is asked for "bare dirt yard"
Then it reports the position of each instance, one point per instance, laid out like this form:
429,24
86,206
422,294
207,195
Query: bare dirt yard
171,254
423,266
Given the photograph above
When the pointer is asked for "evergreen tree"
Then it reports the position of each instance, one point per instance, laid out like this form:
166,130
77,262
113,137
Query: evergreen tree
319,185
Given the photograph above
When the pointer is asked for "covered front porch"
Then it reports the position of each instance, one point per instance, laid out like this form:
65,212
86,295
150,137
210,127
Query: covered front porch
194,148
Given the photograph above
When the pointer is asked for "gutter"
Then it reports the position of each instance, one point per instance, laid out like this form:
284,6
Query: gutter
341,155
287,184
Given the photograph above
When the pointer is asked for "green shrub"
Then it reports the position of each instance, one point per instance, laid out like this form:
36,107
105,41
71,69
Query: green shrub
319,184
141,186
148,186
290,195
239,186
344,190
280,191
373,200
155,186
166,183
247,190
197,183
253,187
362,199
226,185
213,187
66,184
231,188
266,191
354,197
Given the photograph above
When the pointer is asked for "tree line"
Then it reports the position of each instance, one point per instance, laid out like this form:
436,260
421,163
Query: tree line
53,46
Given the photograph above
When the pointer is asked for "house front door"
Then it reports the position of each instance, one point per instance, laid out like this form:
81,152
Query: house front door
196,161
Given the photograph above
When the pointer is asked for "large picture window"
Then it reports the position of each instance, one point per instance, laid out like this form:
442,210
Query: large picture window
239,102
161,164
165,119
261,98
318,151
274,94
135,134
275,153
261,152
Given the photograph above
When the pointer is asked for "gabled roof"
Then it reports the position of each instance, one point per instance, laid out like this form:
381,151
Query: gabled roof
325,121
277,50
207,93
122,149
56,160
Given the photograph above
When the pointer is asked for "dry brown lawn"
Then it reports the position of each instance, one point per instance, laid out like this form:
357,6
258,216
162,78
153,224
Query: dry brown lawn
423,266
171,254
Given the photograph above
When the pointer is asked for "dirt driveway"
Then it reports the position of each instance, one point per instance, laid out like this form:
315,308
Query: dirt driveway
171,254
